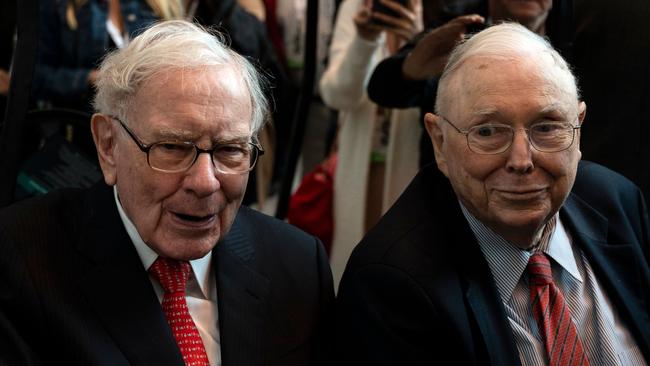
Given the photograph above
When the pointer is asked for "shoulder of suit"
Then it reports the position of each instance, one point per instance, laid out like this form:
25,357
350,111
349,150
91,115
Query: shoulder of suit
40,218
590,170
270,227
610,194
594,180
58,202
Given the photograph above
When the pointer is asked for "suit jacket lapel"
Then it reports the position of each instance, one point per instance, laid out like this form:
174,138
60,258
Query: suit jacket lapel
242,296
483,298
615,266
118,288
481,292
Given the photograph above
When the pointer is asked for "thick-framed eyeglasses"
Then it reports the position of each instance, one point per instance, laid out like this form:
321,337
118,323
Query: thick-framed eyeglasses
179,156
495,138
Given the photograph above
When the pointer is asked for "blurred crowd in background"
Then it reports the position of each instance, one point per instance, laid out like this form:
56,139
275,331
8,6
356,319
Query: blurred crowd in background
377,69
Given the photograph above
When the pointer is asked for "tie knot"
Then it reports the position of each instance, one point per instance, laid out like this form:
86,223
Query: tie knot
172,274
539,269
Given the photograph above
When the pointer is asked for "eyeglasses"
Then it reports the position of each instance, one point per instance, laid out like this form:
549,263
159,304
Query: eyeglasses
495,138
179,156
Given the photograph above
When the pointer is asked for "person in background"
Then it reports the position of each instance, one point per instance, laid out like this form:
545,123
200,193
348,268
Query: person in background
74,37
524,255
360,180
243,22
410,77
160,264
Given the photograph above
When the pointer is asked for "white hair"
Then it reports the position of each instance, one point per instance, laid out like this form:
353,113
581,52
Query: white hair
508,42
171,44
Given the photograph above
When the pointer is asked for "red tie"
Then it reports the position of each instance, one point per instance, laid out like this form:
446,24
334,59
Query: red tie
172,275
556,326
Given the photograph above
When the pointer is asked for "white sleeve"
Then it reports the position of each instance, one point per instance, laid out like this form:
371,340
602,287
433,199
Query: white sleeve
351,61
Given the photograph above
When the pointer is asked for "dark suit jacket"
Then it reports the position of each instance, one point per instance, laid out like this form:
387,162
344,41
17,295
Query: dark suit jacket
417,290
73,290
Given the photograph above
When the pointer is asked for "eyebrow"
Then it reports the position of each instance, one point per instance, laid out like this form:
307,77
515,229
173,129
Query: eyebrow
233,140
494,112
554,108
173,134
486,112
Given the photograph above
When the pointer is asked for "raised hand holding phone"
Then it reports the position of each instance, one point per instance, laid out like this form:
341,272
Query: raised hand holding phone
395,16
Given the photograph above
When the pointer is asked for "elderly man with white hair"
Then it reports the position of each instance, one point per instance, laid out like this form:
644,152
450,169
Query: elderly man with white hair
524,255
159,264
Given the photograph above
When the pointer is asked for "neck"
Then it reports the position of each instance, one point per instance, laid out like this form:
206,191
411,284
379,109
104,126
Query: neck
523,239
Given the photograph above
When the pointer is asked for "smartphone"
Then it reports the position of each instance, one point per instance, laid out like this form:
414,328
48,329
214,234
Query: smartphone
378,7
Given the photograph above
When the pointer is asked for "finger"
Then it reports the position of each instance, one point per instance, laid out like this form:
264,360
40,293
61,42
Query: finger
364,12
464,24
363,17
440,40
468,19
400,9
457,27
392,21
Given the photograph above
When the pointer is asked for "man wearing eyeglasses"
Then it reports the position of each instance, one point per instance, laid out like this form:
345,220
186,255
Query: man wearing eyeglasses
523,256
159,264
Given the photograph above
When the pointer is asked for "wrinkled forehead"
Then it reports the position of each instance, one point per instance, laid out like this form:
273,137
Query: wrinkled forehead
517,74
199,80
210,86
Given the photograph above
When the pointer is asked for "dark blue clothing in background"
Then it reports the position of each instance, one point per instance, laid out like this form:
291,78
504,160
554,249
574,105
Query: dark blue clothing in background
67,56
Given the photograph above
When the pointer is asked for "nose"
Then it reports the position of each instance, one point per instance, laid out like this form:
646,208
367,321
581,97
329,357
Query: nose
200,178
520,154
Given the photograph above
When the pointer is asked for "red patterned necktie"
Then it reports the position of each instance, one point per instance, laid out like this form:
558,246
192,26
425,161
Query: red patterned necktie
172,275
563,346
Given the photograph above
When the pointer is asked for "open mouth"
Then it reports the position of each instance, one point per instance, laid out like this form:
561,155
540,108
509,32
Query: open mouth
194,219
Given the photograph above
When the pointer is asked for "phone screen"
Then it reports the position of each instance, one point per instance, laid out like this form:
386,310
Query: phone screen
378,7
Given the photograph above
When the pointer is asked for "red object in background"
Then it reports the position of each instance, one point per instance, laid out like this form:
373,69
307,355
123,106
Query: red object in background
311,207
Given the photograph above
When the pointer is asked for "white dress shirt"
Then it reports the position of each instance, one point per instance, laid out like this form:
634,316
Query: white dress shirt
201,291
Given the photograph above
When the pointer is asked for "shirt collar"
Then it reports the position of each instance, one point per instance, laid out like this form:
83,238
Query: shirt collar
200,267
508,263
561,251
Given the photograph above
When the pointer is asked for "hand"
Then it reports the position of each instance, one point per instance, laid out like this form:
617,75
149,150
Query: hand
366,29
405,25
5,79
430,54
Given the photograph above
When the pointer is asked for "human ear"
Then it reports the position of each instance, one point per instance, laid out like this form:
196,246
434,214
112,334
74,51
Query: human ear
582,112
104,137
432,124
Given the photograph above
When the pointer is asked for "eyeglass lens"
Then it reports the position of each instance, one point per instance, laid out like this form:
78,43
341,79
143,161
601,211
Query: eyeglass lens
548,137
230,158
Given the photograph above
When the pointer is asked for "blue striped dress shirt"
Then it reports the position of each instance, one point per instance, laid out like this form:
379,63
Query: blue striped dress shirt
606,340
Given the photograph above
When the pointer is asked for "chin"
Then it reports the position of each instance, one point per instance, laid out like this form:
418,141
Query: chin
526,219
186,248
188,254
